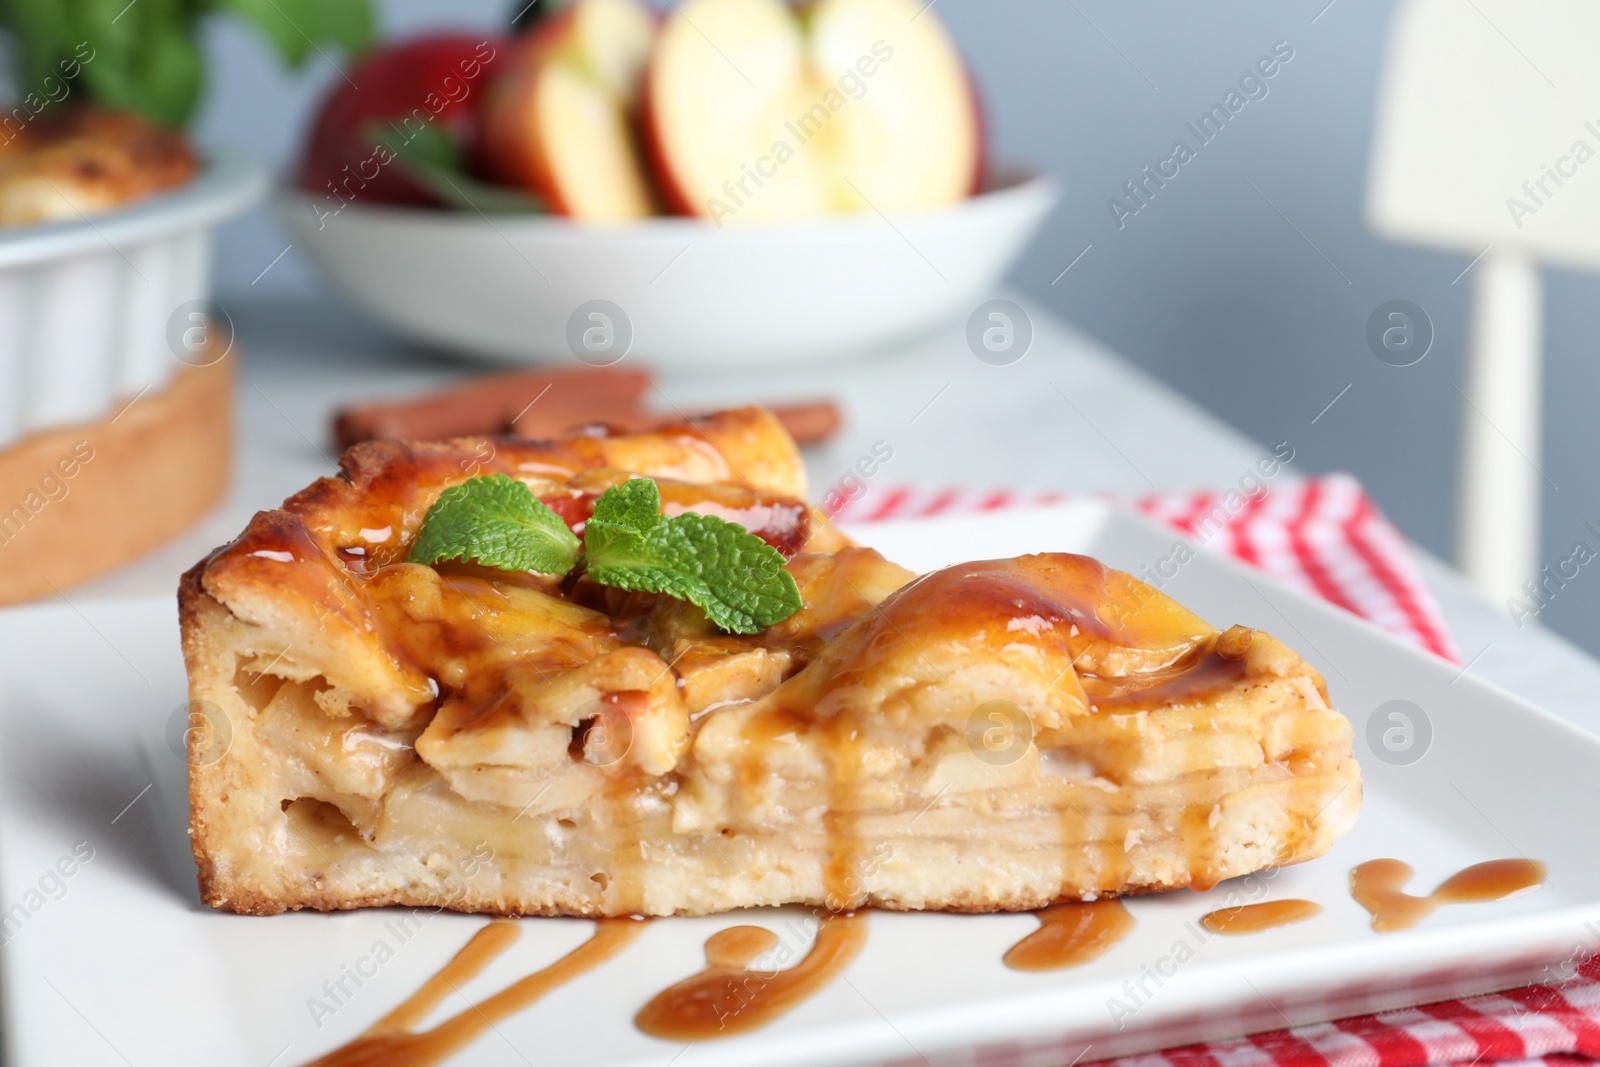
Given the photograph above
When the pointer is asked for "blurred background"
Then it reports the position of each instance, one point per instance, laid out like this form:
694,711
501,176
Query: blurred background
1246,283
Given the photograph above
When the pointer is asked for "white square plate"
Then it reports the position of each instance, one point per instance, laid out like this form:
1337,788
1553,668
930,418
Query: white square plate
117,962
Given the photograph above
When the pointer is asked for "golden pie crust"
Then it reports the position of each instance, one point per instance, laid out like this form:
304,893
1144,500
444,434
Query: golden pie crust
998,735
84,161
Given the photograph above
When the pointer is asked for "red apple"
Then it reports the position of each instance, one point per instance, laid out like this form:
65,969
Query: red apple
559,120
756,111
433,81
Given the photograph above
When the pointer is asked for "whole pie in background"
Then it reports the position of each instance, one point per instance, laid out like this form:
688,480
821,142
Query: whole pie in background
83,161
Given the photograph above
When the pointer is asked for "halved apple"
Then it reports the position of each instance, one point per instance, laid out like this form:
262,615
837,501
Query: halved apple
755,110
436,80
559,119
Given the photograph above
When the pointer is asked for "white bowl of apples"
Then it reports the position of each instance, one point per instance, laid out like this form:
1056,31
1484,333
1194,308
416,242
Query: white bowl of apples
731,185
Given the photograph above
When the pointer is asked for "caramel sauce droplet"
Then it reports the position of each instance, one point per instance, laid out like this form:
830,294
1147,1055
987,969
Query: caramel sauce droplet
1254,918
1494,880
737,946
1070,934
1379,886
390,1041
729,998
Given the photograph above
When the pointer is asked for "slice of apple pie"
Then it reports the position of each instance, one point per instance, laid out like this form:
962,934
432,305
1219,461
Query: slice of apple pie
999,735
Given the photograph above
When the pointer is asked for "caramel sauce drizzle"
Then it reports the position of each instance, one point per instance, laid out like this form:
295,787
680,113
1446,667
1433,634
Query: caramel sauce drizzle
1379,886
1151,651
1254,918
1070,934
392,1042
729,997
840,878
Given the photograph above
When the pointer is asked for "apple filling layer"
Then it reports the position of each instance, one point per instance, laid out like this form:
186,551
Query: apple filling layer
996,735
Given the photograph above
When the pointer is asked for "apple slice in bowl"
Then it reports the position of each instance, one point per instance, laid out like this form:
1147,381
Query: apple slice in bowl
756,110
559,120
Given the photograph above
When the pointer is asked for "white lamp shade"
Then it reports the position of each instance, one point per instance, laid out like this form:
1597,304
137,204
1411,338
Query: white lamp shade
1488,129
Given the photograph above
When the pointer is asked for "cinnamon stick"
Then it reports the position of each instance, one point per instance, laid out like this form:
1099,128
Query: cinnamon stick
543,404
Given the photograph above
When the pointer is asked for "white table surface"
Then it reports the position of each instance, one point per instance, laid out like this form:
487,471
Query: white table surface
1070,415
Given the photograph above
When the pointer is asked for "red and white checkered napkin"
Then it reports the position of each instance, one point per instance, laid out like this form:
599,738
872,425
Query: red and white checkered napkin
1542,1024
1325,536
1553,1025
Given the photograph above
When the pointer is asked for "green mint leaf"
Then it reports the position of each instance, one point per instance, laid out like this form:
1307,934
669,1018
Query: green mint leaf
736,578
495,520
732,575
635,504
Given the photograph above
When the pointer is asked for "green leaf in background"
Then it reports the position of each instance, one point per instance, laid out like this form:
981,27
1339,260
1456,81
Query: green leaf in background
273,23
297,27
430,144
43,35
145,56
168,71
431,158
495,520
131,47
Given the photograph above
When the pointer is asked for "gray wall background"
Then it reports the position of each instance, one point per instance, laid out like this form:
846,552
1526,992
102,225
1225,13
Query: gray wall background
1246,282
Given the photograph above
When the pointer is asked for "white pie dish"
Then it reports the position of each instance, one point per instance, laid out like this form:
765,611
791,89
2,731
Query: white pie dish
85,305
133,966
504,287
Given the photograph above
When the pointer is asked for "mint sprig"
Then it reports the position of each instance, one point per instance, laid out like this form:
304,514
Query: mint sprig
732,575
495,520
